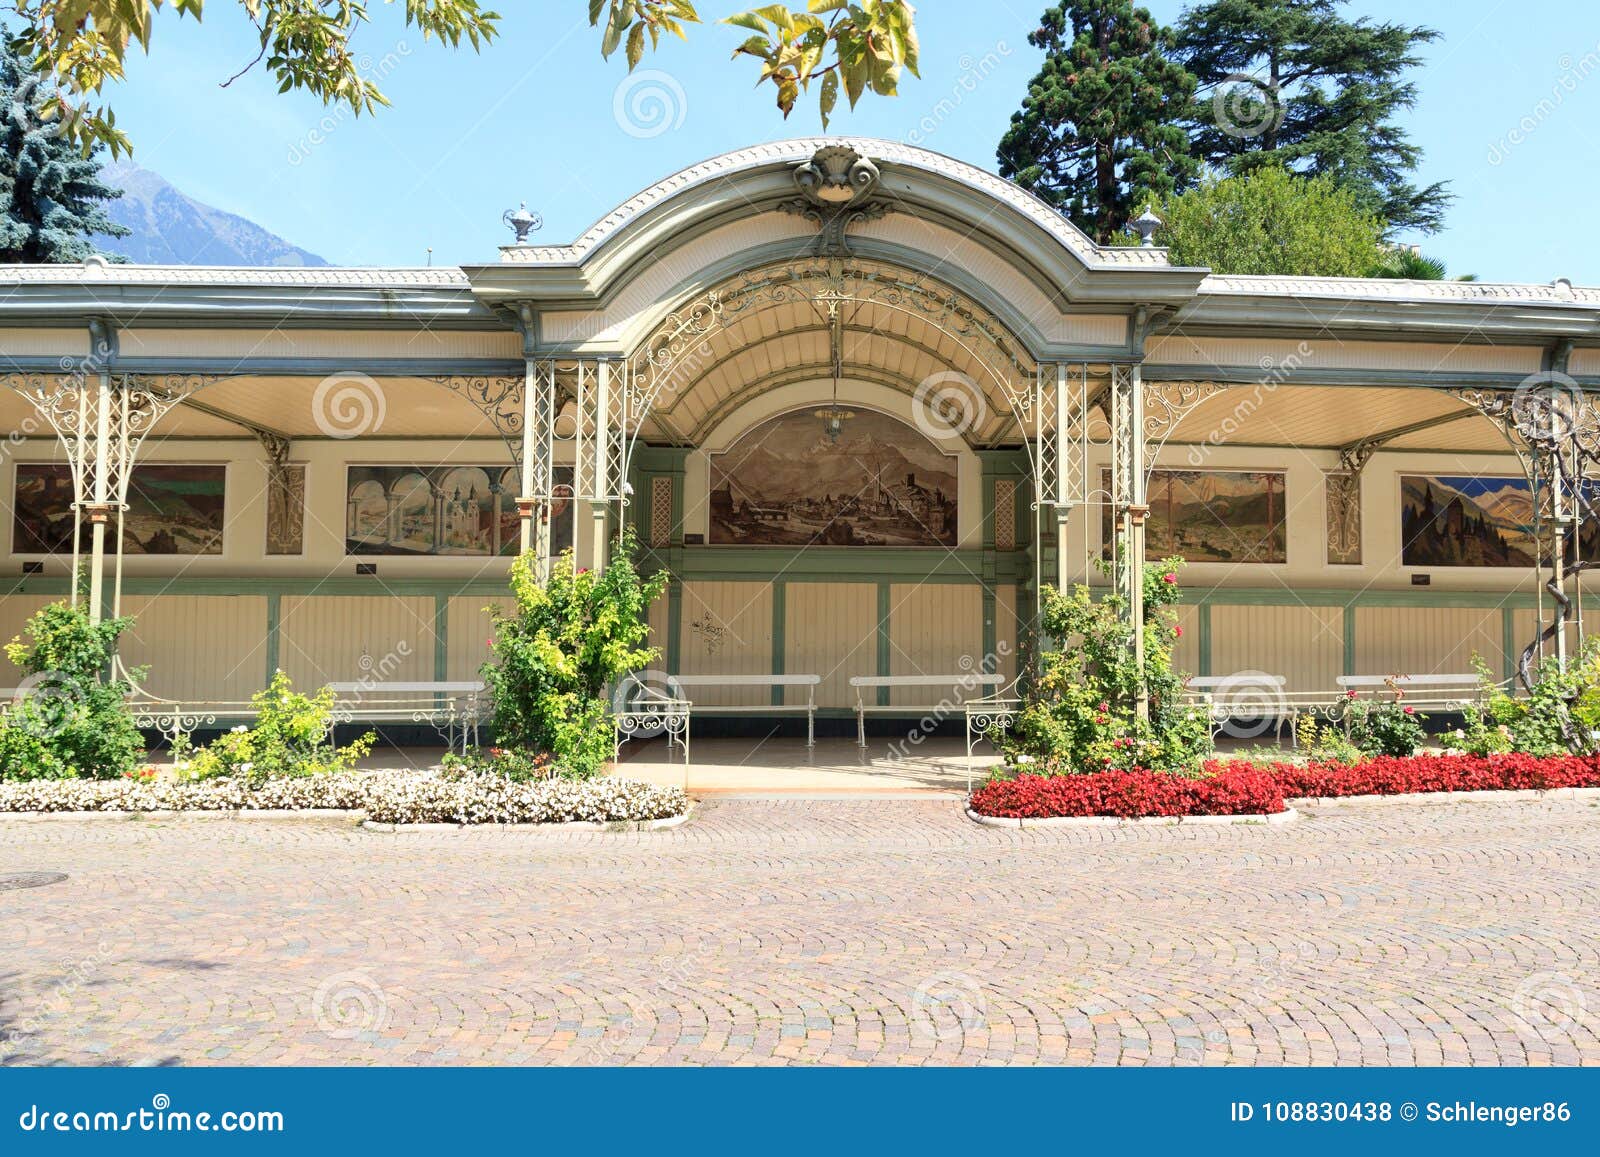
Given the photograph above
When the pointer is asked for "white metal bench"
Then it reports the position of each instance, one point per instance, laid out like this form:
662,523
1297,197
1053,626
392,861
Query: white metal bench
1445,691
451,708
809,682
1244,695
974,680
640,711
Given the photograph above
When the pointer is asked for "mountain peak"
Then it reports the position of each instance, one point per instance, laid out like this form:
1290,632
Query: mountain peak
171,228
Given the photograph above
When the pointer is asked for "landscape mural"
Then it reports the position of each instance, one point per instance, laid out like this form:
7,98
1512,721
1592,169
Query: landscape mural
443,510
1464,520
1212,516
787,483
173,509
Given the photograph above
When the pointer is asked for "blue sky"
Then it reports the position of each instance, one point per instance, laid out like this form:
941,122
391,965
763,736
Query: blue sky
536,117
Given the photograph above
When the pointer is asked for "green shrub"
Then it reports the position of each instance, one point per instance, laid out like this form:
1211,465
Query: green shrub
1560,715
1081,712
1384,728
72,720
292,736
555,655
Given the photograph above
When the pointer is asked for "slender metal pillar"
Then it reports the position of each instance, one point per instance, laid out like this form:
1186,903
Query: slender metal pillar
100,502
1129,506
601,447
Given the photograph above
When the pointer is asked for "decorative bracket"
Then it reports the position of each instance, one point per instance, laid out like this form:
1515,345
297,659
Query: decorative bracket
837,189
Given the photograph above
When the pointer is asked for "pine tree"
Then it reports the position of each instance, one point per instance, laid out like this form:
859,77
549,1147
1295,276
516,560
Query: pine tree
1294,83
51,194
1100,130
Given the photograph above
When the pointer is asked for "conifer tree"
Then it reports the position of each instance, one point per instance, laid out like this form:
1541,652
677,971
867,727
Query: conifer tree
1294,84
51,194
1100,130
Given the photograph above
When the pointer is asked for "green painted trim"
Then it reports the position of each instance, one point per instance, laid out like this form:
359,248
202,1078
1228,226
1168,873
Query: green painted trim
991,640
1202,630
884,601
274,623
1508,642
441,637
674,626
780,618
1350,639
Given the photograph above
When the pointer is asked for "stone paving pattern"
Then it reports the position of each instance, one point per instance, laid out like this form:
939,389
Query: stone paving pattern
810,932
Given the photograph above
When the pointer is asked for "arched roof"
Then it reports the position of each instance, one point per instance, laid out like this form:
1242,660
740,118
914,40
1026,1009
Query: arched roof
663,219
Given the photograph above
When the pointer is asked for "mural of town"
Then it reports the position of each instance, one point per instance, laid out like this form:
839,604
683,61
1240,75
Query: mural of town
443,510
172,509
787,483
1450,520
1212,516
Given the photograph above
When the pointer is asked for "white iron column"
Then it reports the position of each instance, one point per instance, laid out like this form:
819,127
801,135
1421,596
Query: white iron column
99,464
1129,505
602,450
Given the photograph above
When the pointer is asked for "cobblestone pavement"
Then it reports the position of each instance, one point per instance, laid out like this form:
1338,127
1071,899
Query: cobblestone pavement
809,932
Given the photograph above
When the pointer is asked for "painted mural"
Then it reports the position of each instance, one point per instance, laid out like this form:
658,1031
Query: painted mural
1466,520
443,510
1212,516
787,483
173,509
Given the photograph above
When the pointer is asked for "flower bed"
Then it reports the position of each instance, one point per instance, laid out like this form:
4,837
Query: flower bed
1391,775
1239,788
391,797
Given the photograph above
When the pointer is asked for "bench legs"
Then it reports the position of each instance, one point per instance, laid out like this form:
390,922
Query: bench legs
861,726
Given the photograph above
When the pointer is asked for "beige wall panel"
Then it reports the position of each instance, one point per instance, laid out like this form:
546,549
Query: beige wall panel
934,629
1007,629
1186,654
1303,644
1425,640
15,611
324,638
727,630
199,648
831,630
69,342
469,629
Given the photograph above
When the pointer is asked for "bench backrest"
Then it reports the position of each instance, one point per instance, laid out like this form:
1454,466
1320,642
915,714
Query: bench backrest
1360,681
1229,682
442,688
926,680
747,680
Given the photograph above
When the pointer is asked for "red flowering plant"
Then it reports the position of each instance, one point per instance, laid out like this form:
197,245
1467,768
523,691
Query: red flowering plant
505,762
1081,711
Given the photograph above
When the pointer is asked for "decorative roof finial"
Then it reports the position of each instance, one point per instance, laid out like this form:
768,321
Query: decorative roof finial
522,222
1146,224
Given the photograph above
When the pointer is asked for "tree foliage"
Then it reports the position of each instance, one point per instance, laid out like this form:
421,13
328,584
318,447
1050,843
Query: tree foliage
858,47
1293,83
1271,222
51,195
1100,129
305,44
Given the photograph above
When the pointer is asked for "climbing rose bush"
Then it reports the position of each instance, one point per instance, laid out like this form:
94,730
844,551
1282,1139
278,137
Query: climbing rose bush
1080,714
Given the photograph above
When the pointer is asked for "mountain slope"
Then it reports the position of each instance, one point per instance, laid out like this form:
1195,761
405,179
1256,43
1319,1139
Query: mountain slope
170,228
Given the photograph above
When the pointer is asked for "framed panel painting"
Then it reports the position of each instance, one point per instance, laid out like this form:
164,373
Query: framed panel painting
445,510
1466,520
1212,516
788,483
173,509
